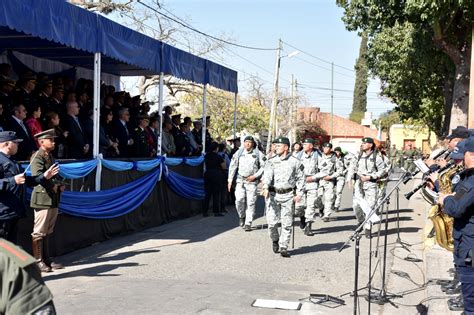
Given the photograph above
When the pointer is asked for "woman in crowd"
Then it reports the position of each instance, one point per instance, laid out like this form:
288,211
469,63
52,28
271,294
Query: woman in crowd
52,122
33,121
108,145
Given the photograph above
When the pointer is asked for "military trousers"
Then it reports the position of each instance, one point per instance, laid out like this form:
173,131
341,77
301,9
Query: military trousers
45,219
325,197
307,205
339,187
245,198
466,277
364,191
280,210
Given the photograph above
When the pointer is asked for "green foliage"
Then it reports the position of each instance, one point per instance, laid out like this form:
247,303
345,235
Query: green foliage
356,116
252,116
388,119
359,104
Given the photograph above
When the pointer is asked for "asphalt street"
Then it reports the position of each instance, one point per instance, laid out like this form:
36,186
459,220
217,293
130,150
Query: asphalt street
210,265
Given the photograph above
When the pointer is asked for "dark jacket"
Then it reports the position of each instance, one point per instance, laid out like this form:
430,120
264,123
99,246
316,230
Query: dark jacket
43,196
76,139
122,135
12,196
461,208
27,146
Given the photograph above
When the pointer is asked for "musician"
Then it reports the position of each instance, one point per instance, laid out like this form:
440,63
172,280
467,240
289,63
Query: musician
460,206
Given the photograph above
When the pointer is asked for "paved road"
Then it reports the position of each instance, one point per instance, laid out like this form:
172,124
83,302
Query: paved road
210,265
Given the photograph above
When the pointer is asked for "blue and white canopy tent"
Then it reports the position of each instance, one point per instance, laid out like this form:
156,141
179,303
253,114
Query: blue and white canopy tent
58,31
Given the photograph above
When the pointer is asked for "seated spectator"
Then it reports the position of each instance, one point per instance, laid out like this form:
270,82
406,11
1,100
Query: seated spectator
77,144
167,141
24,94
45,90
33,121
51,121
108,102
121,132
56,100
181,140
16,123
168,110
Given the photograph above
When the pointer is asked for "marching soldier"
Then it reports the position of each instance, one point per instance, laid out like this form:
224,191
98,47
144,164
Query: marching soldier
45,201
246,167
23,290
408,157
394,156
329,169
341,179
283,184
306,208
368,169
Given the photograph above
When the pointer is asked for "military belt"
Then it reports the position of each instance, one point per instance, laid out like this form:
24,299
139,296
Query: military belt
280,191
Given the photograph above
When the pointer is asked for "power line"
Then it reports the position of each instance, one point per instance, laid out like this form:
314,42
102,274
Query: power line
319,66
320,59
186,25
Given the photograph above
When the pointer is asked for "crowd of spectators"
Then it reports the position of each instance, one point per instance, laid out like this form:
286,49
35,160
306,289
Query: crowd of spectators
36,102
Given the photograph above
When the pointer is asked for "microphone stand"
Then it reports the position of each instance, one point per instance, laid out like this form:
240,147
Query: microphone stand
356,236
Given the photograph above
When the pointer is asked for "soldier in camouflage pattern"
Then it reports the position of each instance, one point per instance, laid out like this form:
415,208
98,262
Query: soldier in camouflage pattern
283,184
329,169
306,208
368,170
246,167
341,180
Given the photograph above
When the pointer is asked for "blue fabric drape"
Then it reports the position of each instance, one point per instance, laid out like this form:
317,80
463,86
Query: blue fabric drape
186,187
117,166
110,203
77,169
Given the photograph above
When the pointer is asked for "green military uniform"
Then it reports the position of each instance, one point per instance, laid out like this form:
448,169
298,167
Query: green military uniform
43,196
22,291
394,156
141,148
408,158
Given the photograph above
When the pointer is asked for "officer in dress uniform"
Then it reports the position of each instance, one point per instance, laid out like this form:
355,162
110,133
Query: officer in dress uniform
22,289
329,169
45,201
12,191
306,208
246,167
139,136
460,206
283,185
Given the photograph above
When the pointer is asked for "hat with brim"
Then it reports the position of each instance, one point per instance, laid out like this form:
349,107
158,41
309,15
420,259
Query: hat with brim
9,136
48,134
459,132
327,145
466,145
249,138
368,140
282,140
309,140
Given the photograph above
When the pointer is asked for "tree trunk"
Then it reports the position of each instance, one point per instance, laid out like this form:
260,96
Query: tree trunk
461,91
448,102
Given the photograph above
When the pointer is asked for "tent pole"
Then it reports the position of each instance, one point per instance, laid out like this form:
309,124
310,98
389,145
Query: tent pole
235,115
96,117
204,107
160,112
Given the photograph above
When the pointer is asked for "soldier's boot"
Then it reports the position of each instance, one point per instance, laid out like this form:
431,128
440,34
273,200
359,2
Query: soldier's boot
302,222
276,247
247,228
38,254
456,304
307,229
47,258
284,252
242,221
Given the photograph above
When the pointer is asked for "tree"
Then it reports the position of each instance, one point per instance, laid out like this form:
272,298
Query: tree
388,119
359,104
447,24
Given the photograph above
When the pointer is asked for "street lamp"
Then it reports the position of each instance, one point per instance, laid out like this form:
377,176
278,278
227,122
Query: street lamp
272,125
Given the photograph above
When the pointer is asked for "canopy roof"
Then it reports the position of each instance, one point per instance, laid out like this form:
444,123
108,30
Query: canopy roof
59,31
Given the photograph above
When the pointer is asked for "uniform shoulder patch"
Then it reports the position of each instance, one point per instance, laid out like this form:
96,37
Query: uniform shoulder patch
21,257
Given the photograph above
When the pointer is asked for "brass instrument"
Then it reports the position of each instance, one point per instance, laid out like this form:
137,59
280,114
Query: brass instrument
442,223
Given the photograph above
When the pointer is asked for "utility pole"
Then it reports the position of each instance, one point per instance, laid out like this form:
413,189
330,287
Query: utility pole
271,127
332,100
293,113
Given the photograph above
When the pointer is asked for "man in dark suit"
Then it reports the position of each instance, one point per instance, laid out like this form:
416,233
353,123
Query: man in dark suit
16,123
12,191
139,136
77,143
121,132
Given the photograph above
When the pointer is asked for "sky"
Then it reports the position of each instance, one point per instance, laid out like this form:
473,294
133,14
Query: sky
313,27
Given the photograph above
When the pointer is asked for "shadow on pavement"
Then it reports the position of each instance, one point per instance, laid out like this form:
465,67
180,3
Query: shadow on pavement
96,271
317,248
